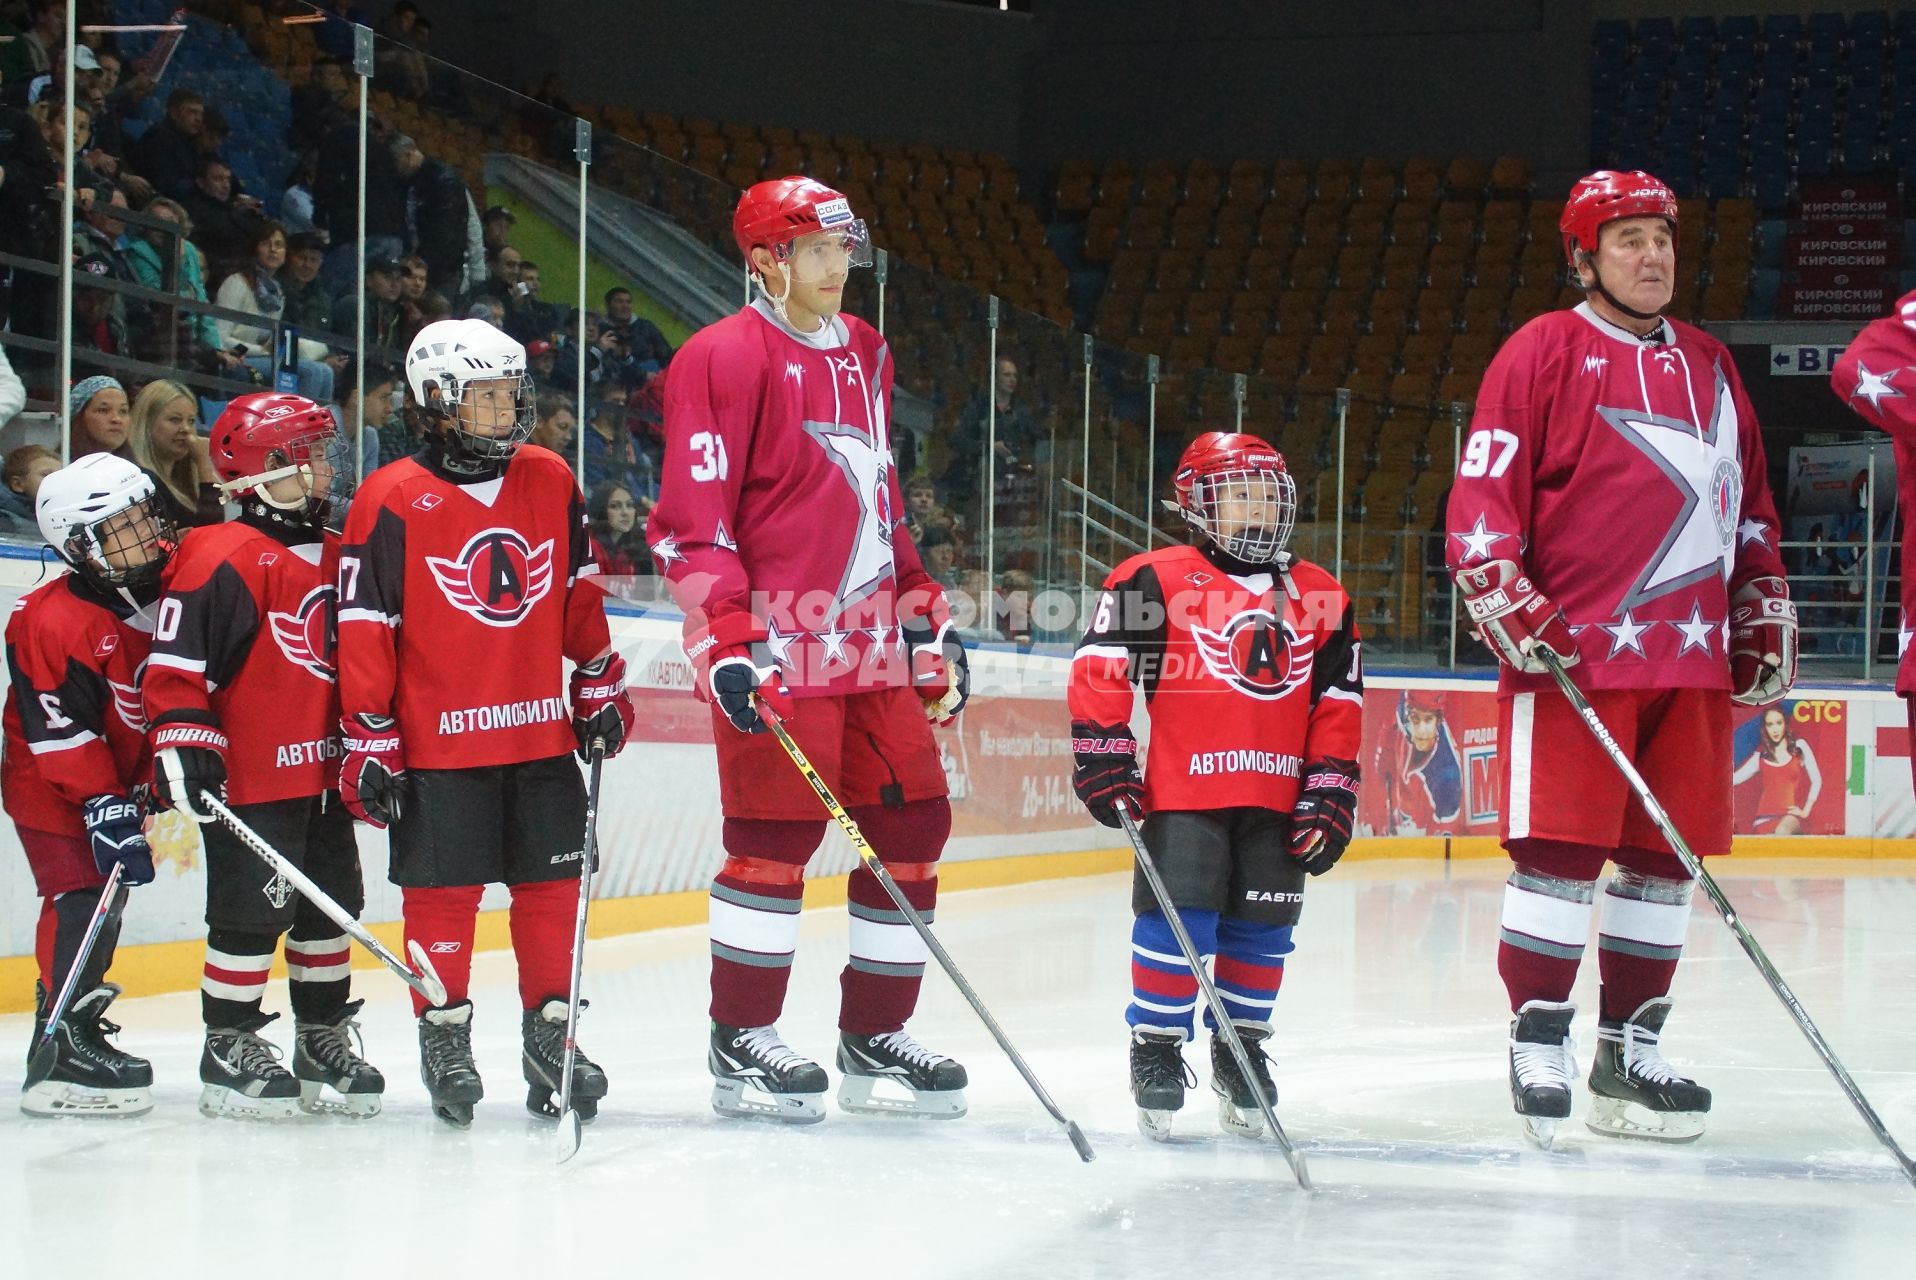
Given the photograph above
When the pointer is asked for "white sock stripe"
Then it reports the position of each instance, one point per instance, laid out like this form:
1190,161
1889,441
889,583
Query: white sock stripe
319,973
239,964
248,994
1159,957
1523,713
316,946
887,943
1551,919
1163,1008
765,932
1661,924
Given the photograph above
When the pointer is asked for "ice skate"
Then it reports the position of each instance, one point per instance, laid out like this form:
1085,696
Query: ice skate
756,1074
1542,1064
1158,1078
90,1075
1634,1093
242,1075
446,1065
324,1058
935,1083
544,1058
1237,1106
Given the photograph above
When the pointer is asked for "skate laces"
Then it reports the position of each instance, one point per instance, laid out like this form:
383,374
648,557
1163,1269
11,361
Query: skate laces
250,1053
1550,1065
901,1043
333,1043
1642,1056
450,1045
1162,1061
763,1043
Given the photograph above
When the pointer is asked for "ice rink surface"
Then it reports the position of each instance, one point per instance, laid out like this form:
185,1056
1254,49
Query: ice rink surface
1390,1051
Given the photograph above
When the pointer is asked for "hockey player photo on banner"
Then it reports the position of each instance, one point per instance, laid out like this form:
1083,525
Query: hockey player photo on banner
1790,769
1433,757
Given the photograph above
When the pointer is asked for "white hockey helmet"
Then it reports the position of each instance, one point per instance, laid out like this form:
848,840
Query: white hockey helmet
77,503
446,356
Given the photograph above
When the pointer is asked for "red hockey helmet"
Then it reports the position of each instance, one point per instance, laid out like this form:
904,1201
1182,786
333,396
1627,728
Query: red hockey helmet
1234,489
1609,195
778,211
270,435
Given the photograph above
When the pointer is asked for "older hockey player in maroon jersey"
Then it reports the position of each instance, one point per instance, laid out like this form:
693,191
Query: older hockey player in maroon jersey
1248,659
1876,377
75,755
465,584
1611,505
779,527
241,698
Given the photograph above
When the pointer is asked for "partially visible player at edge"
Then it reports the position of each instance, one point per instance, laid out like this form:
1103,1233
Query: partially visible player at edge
242,702
1249,662
780,529
464,588
75,755
1612,506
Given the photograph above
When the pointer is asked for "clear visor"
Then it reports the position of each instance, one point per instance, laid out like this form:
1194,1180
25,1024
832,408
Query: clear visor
128,546
1248,514
823,254
314,473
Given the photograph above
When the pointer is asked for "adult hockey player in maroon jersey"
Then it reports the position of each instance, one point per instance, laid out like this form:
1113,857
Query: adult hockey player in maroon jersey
242,702
75,754
1611,505
779,528
1248,659
1876,376
464,587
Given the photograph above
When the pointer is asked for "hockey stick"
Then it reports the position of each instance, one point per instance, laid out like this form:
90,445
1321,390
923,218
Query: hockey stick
571,1127
869,857
425,981
43,1059
1694,866
1292,1156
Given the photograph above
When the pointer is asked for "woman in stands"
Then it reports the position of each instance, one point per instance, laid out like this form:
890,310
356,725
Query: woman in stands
98,416
167,443
255,289
1788,781
617,545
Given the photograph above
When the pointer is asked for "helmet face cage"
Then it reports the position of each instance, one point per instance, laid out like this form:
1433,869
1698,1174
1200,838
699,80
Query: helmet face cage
92,549
478,445
1248,513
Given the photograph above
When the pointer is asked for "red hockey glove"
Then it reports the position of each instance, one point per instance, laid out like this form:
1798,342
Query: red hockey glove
1762,642
1321,820
940,670
1513,617
189,756
602,711
371,769
1107,769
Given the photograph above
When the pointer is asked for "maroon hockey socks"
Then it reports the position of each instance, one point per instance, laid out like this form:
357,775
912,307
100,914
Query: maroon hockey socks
756,898
442,921
1640,939
1546,922
879,984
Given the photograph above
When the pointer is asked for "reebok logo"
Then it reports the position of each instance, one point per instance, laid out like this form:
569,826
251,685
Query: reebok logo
444,948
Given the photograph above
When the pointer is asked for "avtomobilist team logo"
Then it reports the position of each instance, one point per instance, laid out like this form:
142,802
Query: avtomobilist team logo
1257,653
128,702
497,577
305,635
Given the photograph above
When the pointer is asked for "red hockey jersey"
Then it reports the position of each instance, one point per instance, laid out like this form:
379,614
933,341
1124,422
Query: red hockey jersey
1876,377
1245,678
777,498
1627,477
458,601
244,640
75,728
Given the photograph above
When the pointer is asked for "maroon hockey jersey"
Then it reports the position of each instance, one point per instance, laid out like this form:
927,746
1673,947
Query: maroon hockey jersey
1245,678
458,601
244,640
75,728
778,500
1627,477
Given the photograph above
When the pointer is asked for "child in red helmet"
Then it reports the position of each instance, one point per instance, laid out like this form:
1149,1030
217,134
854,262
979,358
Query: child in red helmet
1248,660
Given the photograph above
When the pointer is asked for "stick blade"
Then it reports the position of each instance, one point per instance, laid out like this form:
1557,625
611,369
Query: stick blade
1301,1169
571,1133
40,1062
1078,1140
435,992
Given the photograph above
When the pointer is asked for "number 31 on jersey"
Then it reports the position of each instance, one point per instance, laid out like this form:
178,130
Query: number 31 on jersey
1479,449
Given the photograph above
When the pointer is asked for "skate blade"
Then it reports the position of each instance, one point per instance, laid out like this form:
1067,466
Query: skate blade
857,1094
324,1099
1541,1130
54,1098
217,1102
1155,1125
745,1100
1233,1119
1618,1118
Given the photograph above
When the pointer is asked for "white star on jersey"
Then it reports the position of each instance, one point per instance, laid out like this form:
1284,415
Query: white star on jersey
1753,530
834,642
1696,632
666,550
867,470
723,540
1625,634
779,645
1875,387
1478,541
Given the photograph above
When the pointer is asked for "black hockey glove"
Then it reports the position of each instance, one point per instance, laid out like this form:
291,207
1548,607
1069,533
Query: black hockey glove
116,828
371,768
189,757
1107,772
1321,821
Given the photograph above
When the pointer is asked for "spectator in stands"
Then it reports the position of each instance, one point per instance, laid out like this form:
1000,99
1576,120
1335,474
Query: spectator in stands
385,313
32,53
336,198
152,253
436,213
167,443
939,551
309,304
225,224
1016,435
367,426
255,289
483,306
542,361
555,424
13,392
52,121
100,231
495,227
404,434
433,306
168,154
617,545
610,454
296,202
921,506
25,468
1012,609
97,323
645,347
27,221
319,105
527,317
97,417
413,287
399,65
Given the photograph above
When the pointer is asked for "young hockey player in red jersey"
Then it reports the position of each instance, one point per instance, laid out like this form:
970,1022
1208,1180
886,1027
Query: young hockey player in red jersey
75,752
779,527
1612,506
241,700
1248,659
1876,376
463,590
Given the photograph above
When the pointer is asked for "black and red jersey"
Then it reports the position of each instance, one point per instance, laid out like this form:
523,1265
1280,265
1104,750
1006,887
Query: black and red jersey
244,641
75,727
459,600
1246,677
